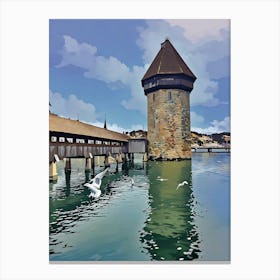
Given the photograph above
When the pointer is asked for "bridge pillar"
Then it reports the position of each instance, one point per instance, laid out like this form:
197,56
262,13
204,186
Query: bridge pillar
53,176
119,156
145,157
88,164
106,162
93,167
132,160
117,163
124,158
125,166
67,171
88,168
67,182
67,167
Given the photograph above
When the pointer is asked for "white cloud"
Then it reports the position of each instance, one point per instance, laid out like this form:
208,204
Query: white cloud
76,54
74,108
72,46
198,30
116,127
98,67
71,107
196,119
108,70
216,127
137,101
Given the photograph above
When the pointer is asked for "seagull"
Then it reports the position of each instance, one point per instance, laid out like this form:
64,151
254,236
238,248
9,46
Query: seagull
182,184
94,192
132,181
95,183
161,179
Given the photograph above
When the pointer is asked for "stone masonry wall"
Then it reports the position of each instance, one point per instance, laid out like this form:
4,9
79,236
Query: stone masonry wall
169,124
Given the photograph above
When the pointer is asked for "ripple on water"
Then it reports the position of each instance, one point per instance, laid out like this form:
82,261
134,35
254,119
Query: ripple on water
64,219
169,231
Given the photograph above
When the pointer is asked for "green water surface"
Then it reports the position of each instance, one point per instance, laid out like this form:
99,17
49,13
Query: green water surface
155,218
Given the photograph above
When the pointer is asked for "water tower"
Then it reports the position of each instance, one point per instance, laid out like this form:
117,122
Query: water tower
167,84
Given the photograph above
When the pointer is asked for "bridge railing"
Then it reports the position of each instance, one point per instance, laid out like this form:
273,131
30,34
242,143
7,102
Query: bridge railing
80,150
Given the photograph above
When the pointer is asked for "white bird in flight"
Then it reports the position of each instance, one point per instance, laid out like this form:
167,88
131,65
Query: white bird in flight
161,179
132,181
95,183
182,184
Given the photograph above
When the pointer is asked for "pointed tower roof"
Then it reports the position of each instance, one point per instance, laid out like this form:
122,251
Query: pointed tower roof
168,61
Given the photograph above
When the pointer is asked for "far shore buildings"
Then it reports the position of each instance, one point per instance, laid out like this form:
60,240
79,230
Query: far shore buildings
167,84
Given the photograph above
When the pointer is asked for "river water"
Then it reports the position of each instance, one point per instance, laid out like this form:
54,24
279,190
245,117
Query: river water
174,211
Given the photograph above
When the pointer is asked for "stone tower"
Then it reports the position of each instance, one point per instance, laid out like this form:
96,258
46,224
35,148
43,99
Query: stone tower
167,84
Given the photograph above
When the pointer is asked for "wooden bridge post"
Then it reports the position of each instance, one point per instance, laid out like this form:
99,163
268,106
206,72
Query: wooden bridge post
106,162
88,168
67,171
125,166
145,157
119,156
124,158
88,164
117,163
92,167
53,176
67,182
67,167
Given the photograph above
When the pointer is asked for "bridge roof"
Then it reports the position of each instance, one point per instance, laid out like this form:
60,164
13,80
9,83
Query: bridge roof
168,61
63,125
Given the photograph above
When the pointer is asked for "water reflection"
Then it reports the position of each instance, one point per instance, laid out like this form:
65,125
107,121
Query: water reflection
170,232
87,175
67,182
155,218
71,209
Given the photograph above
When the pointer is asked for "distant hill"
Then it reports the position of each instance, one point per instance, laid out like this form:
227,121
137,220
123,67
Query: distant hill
219,137
199,138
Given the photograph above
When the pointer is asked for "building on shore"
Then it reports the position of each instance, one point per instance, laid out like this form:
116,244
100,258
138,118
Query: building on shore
167,84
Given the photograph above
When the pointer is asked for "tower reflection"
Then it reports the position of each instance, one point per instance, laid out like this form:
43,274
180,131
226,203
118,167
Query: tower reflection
170,232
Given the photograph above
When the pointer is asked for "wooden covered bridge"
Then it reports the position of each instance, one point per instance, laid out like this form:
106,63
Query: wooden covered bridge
75,139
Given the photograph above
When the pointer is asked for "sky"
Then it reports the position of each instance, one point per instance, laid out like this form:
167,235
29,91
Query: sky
96,67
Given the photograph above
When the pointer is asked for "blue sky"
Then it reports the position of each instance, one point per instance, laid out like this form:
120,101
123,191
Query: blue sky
96,68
